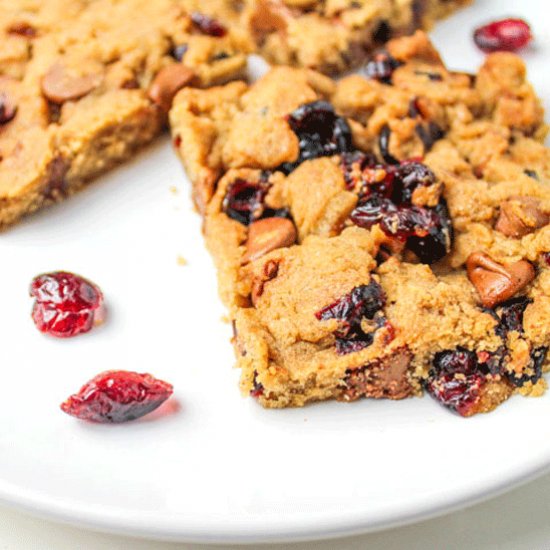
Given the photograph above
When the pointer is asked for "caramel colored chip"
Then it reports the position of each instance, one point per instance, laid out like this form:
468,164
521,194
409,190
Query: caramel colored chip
60,84
269,16
7,108
520,216
168,82
495,282
267,235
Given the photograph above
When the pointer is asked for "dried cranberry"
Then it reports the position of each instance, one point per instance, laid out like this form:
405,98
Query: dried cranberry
244,200
23,29
538,357
373,210
546,258
208,25
179,51
384,145
353,164
321,132
117,396
7,109
429,134
434,77
458,361
257,388
381,66
427,231
436,243
407,177
363,302
66,304
510,316
505,35
457,377
459,393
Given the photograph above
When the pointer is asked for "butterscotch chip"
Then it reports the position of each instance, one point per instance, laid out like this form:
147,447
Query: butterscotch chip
60,84
495,282
267,235
168,82
520,216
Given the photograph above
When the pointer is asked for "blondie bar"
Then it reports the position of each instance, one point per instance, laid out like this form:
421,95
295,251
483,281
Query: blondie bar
382,235
84,84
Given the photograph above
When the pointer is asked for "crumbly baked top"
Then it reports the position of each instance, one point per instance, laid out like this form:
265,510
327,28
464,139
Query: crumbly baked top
382,234
333,35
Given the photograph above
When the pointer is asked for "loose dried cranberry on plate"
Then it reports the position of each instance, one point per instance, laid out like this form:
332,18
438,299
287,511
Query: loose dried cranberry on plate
504,35
117,396
65,304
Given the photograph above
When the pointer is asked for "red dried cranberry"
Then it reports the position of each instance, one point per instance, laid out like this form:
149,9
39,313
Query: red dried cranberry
458,361
433,240
381,67
23,29
117,396
353,165
66,304
257,388
546,258
363,302
7,109
320,131
434,77
407,177
457,377
458,393
384,145
505,35
426,231
429,134
510,316
179,51
538,357
244,200
208,25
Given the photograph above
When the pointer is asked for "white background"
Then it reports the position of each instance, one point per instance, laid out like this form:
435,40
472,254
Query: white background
517,520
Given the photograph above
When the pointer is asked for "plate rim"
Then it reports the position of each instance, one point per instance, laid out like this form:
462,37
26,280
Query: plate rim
131,524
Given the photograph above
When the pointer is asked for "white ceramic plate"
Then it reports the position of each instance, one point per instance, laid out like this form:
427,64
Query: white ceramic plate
221,468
